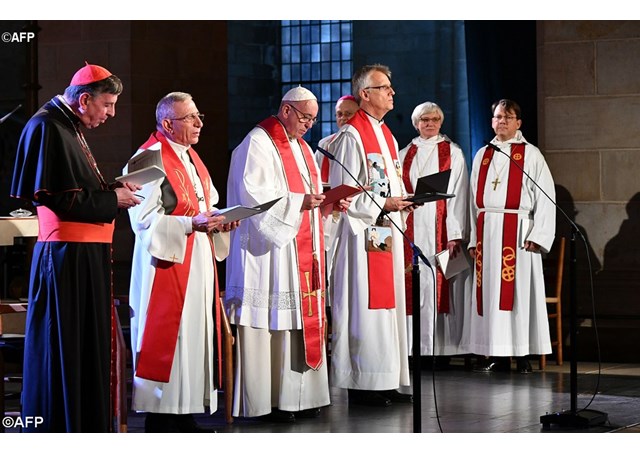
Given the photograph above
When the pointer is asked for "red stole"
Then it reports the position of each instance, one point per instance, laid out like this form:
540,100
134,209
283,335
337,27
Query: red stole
380,264
442,285
310,272
509,228
324,171
170,282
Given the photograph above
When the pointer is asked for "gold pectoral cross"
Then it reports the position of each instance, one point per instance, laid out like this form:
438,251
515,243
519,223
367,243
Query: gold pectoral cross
495,183
308,294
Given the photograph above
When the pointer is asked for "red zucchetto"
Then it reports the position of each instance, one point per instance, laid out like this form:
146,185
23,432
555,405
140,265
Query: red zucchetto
88,74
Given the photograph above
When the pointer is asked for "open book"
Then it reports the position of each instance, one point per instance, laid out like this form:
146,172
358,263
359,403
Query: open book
453,266
239,212
144,167
338,193
432,188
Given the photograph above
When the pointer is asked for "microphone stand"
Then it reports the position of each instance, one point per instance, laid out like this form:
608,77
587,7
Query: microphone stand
572,418
6,117
415,281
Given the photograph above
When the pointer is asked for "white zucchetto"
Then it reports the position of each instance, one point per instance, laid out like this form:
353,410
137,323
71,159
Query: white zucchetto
299,93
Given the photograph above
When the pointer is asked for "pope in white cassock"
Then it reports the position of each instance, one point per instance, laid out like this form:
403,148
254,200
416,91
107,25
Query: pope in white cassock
369,339
174,288
438,226
512,222
275,273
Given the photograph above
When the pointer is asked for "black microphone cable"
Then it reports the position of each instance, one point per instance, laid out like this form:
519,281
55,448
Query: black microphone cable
417,253
586,246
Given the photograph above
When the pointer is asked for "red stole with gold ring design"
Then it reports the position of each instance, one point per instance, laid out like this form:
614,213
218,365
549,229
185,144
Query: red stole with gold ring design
509,227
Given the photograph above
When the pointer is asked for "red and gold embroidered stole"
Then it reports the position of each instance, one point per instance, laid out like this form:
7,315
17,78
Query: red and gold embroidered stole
442,285
380,264
170,282
311,273
509,228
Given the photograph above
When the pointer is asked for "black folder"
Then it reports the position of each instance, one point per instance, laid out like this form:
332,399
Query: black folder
432,188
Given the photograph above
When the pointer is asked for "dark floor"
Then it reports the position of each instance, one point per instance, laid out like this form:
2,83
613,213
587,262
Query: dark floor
461,401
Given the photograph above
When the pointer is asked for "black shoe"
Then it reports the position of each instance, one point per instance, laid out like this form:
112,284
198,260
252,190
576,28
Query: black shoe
161,423
278,416
368,398
492,364
187,424
308,413
396,397
523,366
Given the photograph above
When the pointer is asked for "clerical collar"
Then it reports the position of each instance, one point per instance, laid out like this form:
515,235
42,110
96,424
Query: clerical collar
517,138
379,121
62,104
177,147
434,139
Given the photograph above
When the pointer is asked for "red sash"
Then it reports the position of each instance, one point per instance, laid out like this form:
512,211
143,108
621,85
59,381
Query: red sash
310,272
509,228
380,264
170,282
442,285
52,228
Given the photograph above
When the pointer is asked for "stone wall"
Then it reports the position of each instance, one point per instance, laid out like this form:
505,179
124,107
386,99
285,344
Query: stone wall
589,98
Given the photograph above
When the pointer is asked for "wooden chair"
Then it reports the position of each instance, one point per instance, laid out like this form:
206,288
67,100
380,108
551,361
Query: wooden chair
228,340
9,342
554,305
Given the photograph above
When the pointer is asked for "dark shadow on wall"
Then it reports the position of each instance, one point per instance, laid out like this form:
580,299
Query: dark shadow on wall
617,294
587,264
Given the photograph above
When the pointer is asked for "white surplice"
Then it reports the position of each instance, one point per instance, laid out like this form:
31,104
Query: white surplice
263,295
164,237
525,329
449,326
369,347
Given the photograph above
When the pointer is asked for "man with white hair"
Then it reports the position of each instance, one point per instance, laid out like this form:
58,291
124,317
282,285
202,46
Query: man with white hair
275,277
369,355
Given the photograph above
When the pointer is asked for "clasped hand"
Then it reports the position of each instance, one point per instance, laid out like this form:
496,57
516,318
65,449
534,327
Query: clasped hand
126,196
208,222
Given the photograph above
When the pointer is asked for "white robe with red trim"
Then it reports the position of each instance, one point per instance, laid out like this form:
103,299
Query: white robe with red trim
263,284
369,347
159,236
449,326
525,329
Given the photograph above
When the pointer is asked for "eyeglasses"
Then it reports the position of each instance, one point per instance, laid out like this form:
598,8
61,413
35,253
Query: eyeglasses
304,117
386,88
505,118
430,120
190,118
345,114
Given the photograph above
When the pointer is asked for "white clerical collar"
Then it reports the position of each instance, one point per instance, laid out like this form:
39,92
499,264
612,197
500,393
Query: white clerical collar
518,138
177,147
63,101
431,140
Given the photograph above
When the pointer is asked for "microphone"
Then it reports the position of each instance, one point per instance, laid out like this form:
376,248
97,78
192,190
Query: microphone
415,277
414,247
571,417
6,117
